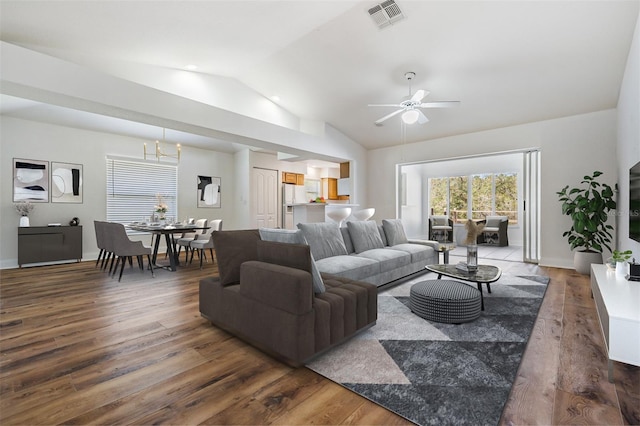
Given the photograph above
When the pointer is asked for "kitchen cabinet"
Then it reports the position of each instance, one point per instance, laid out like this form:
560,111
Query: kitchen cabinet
288,177
299,179
344,170
330,188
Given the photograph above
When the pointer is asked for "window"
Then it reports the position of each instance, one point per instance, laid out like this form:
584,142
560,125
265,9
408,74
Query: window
133,188
475,196
458,200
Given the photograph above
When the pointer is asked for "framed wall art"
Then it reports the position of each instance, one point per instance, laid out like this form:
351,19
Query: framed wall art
30,180
208,191
66,182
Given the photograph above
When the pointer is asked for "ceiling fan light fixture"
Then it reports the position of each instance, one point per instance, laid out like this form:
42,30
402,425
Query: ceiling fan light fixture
410,116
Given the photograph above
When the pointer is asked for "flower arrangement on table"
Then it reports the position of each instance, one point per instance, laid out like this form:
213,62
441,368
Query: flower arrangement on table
24,208
161,208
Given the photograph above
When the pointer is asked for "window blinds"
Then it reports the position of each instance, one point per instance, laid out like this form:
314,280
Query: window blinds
133,188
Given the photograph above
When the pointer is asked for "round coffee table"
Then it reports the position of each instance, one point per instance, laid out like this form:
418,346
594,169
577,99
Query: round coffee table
445,301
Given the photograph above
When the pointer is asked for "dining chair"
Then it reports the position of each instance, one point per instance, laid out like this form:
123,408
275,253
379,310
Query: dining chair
124,249
99,240
187,237
205,241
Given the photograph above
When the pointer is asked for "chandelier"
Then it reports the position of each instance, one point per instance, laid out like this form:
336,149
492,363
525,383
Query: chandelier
159,153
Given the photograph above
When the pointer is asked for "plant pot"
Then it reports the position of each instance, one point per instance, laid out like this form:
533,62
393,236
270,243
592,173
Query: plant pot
582,261
621,269
24,221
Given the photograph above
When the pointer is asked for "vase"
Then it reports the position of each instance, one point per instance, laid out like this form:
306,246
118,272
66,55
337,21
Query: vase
472,257
621,269
24,221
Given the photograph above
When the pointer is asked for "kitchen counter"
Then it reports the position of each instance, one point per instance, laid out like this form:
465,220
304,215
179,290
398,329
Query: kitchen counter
311,212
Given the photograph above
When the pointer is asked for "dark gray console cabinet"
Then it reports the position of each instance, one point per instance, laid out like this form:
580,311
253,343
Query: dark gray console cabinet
49,244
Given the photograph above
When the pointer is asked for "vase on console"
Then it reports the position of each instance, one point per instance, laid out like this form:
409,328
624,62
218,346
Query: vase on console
24,221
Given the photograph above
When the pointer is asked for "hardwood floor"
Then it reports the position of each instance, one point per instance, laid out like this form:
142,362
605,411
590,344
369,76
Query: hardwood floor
79,347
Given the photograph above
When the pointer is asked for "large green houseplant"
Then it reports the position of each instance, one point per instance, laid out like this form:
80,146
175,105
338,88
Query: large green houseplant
588,207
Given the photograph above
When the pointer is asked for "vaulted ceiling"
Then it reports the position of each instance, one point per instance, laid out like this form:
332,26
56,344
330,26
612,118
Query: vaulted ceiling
509,62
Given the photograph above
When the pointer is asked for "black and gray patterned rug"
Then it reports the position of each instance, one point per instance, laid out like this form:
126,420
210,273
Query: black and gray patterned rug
433,373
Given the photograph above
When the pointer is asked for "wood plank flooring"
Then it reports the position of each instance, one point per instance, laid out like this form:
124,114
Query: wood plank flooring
78,347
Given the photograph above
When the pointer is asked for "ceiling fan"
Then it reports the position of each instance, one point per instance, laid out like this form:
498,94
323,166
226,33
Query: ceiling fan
410,107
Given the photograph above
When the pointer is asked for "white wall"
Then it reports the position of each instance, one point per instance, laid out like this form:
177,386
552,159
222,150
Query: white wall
40,141
570,148
628,148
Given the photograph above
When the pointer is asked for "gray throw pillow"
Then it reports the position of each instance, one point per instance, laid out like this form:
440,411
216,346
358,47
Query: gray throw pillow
394,230
440,221
324,238
493,222
291,236
383,235
365,235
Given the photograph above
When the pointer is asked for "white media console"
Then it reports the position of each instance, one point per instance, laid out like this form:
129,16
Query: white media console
618,304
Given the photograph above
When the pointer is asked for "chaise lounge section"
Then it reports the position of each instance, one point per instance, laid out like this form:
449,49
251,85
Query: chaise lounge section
265,295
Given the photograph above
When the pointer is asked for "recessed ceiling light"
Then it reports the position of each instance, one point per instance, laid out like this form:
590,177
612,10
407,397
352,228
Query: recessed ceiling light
275,98
191,67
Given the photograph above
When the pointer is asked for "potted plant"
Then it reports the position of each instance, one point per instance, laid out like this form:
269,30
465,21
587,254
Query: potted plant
620,258
588,207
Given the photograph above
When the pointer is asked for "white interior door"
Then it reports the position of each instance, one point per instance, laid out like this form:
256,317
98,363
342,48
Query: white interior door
265,197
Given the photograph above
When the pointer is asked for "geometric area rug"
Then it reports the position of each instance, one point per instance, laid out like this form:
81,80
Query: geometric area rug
440,374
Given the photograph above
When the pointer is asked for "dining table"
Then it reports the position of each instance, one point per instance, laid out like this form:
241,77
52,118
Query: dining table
168,231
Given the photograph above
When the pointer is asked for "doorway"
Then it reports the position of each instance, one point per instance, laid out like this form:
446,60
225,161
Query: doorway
474,187
265,197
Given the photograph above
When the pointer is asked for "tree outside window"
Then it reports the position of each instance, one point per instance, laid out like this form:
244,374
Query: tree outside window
489,194
458,199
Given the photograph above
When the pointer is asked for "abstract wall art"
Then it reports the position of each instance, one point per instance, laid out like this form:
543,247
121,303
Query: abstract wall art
66,183
30,180
208,191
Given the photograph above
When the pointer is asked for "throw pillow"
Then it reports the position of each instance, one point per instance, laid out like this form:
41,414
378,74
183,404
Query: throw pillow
493,221
364,235
291,236
394,230
233,248
440,221
324,238
383,236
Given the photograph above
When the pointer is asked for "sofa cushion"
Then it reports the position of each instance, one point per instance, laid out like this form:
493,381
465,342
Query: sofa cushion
419,253
388,259
324,238
290,236
394,231
233,248
349,266
364,235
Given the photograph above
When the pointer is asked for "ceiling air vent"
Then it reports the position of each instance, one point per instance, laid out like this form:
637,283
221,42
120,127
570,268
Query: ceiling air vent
385,13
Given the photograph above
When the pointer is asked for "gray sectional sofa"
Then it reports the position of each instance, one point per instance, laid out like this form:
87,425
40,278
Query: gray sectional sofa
365,251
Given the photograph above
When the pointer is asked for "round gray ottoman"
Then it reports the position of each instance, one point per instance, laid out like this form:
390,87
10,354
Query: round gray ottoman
445,301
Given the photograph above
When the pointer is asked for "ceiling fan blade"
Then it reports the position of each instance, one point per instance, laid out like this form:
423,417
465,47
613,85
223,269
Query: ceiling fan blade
386,117
441,104
417,97
421,117
386,105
